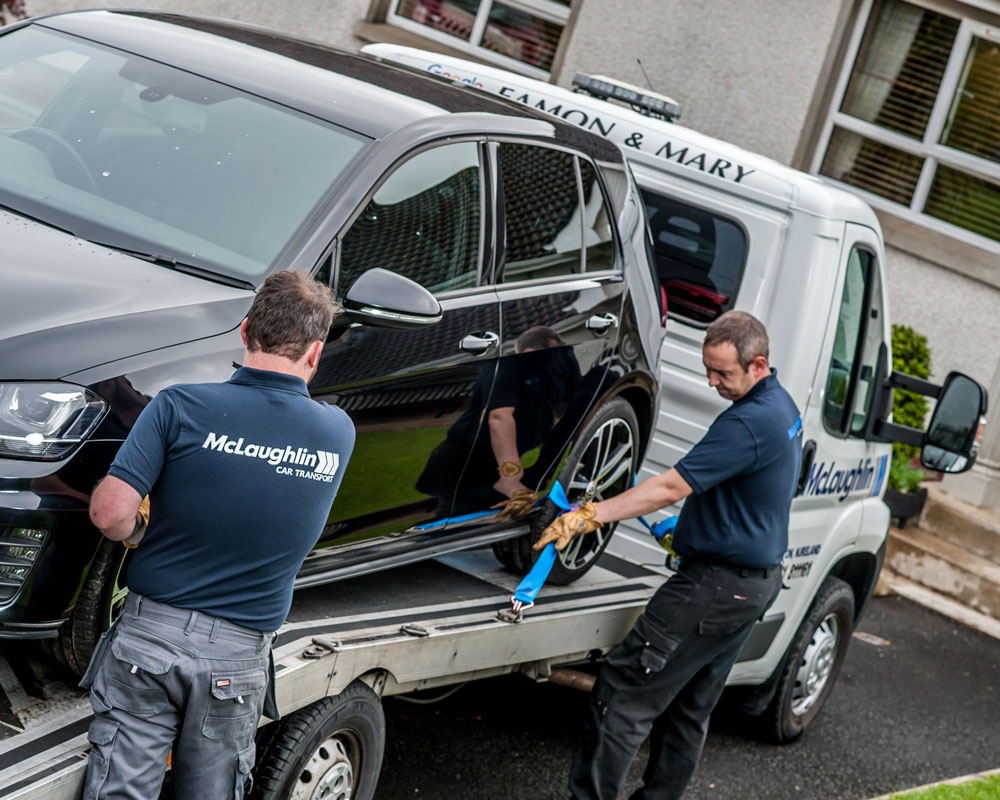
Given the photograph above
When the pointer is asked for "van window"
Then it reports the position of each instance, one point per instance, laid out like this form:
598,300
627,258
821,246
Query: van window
860,332
699,257
541,206
422,222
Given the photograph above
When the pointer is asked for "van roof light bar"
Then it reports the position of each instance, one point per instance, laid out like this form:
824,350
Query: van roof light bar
642,100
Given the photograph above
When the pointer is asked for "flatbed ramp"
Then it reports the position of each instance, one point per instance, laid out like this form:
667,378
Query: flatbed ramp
416,627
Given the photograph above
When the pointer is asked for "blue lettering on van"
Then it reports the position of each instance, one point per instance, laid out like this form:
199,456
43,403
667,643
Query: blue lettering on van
826,479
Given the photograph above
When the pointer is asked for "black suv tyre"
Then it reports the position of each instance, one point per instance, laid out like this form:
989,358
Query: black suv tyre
100,599
600,465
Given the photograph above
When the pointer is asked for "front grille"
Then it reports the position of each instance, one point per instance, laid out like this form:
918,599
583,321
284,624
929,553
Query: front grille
19,547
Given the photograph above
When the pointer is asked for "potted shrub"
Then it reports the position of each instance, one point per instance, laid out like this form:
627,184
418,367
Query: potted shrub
904,495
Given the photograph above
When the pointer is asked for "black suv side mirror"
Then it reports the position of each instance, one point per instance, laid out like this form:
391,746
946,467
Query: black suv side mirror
388,300
950,442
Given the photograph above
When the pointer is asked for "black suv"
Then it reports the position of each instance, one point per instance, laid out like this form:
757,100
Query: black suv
154,168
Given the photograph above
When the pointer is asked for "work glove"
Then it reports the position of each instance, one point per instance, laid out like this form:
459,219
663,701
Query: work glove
517,505
142,520
569,525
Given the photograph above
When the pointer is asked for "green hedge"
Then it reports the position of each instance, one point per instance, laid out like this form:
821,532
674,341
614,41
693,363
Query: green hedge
911,355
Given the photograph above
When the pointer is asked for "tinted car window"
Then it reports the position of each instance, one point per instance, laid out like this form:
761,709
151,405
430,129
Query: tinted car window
423,222
130,152
542,213
597,239
699,257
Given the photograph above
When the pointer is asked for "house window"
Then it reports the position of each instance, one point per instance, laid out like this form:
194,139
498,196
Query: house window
916,126
519,34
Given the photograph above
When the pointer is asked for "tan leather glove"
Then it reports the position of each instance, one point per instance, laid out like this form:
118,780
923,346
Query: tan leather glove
142,520
569,525
517,505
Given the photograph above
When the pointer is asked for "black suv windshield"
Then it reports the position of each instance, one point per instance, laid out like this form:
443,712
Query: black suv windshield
133,153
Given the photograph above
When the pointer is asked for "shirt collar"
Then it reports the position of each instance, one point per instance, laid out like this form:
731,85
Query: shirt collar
273,380
763,385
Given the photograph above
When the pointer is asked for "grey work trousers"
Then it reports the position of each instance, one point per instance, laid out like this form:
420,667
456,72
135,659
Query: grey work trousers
665,678
167,679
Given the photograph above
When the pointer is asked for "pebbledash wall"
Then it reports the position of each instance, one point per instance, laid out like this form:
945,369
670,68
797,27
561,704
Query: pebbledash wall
759,73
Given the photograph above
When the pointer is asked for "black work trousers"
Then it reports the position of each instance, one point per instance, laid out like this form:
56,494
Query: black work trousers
665,678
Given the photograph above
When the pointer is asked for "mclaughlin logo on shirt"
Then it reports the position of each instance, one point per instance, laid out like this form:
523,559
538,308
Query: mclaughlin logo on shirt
319,465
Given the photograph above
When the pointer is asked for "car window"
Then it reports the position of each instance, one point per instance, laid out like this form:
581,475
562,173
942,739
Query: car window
134,153
597,238
699,257
422,222
542,214
860,328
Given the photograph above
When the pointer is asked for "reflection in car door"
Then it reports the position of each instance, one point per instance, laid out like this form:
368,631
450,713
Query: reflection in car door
407,390
561,302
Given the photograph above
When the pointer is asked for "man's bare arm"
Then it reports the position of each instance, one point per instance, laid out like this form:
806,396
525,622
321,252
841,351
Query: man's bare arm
652,494
114,507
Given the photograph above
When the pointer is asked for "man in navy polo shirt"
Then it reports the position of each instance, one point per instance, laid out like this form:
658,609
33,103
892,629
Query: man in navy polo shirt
241,476
739,481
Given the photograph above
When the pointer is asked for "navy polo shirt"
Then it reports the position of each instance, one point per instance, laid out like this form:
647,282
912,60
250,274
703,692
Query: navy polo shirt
241,476
743,474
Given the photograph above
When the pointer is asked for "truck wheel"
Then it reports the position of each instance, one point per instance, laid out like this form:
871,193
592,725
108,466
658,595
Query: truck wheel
600,465
100,599
815,656
331,749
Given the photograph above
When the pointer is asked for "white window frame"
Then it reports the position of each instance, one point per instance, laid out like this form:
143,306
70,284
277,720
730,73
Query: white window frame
929,148
549,11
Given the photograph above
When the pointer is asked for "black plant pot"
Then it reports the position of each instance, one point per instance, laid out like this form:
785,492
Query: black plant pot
904,506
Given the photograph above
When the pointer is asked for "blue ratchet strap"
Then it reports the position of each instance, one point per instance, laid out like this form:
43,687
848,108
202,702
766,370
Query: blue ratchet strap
529,587
663,531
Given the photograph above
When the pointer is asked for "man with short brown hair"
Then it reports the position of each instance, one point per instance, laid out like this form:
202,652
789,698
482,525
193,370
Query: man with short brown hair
665,678
241,476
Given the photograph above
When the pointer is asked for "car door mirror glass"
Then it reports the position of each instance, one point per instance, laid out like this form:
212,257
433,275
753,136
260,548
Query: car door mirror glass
385,299
950,440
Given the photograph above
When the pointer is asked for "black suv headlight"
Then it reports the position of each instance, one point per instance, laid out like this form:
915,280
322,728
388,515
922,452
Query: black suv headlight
45,421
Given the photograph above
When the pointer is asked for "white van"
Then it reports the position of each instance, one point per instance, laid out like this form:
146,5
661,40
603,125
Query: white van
731,229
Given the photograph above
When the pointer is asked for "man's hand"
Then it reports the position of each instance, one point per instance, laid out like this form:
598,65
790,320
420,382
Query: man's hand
517,505
571,524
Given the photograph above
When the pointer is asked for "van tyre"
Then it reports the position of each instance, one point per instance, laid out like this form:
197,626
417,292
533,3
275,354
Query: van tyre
600,465
100,599
815,657
331,749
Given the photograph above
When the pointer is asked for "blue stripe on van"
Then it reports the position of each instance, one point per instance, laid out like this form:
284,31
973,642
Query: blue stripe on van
883,462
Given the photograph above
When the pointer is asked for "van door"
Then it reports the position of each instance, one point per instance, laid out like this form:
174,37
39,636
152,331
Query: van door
841,471
708,251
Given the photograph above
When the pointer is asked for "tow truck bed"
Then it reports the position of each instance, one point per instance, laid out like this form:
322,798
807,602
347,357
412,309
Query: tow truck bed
415,627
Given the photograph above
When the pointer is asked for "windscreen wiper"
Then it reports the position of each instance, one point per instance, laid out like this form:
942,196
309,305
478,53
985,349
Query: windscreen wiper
180,266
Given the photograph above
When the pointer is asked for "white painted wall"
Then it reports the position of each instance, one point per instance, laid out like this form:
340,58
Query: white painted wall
959,316
743,70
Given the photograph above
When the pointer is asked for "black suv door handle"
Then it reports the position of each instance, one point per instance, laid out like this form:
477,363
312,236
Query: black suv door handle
479,343
599,323
808,454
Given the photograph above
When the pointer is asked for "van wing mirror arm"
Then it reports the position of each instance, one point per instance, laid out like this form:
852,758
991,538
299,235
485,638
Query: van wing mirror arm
883,431
900,380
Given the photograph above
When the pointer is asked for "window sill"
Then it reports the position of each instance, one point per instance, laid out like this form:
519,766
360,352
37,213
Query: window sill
939,249
383,32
